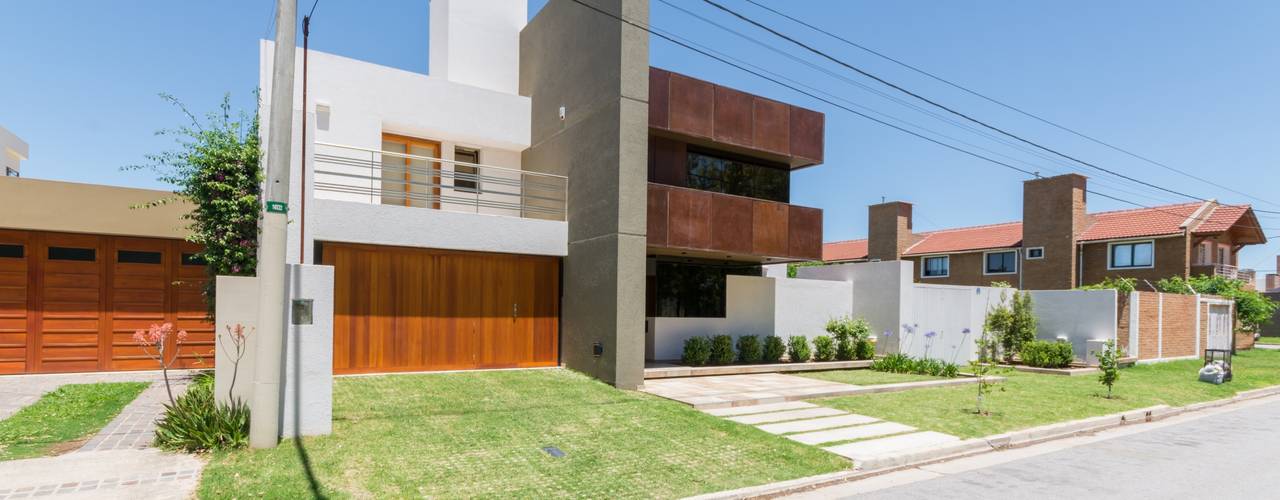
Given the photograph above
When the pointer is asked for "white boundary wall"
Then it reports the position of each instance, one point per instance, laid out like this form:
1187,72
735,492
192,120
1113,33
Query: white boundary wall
1085,318
755,306
308,370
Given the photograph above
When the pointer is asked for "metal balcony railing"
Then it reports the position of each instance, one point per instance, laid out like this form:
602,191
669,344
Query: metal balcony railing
373,176
1233,272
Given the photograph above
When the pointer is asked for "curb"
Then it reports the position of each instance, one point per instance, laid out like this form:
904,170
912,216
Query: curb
977,446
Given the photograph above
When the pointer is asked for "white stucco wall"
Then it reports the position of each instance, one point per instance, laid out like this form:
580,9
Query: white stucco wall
756,306
365,100
13,150
477,42
1079,316
308,383
882,293
415,227
307,407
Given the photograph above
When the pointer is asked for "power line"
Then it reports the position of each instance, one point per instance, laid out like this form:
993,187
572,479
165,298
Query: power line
937,104
689,46
887,96
1003,104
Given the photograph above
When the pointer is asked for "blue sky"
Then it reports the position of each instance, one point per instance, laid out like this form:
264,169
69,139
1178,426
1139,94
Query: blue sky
1191,84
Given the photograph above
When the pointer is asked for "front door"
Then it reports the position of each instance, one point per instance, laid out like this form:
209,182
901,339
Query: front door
408,178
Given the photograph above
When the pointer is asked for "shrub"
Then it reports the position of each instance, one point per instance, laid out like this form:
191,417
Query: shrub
901,363
1123,286
847,332
864,349
824,349
749,349
1253,309
773,349
696,351
1012,323
1046,354
721,350
798,348
197,422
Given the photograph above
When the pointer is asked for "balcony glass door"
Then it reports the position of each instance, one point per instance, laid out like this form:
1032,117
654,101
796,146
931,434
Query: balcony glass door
408,179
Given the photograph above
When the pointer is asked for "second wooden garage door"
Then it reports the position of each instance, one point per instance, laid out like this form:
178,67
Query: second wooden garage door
408,309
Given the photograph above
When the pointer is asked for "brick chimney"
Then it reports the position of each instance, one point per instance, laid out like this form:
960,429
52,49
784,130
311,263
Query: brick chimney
1053,216
888,230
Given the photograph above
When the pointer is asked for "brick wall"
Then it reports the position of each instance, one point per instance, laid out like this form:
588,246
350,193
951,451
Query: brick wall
1171,260
1148,325
1053,215
966,270
1167,325
1122,323
1180,328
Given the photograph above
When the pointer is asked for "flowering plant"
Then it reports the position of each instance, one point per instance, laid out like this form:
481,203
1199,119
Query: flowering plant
154,343
237,335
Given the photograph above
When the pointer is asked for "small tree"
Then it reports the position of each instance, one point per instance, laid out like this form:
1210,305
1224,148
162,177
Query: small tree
215,167
1022,325
1108,362
983,370
234,344
995,329
154,342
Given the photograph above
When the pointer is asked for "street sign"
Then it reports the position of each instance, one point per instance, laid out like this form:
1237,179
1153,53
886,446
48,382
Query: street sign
277,207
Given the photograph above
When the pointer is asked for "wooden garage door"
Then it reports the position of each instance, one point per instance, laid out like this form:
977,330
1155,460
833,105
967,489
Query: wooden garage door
406,309
71,302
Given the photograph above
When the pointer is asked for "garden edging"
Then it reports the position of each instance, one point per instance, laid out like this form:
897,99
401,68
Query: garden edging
978,446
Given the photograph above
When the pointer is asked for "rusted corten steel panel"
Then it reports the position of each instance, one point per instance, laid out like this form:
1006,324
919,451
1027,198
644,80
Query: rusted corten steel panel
683,218
707,114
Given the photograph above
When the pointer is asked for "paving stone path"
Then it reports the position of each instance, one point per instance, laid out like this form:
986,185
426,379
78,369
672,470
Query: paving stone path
856,437
117,462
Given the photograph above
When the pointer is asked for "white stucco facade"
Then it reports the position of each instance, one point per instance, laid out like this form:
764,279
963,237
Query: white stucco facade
469,102
13,150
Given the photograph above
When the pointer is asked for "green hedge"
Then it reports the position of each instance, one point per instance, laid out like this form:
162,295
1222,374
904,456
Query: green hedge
1047,354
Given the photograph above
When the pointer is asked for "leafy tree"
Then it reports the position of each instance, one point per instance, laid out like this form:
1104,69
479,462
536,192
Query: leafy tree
984,370
1108,363
216,166
1022,324
792,267
1253,309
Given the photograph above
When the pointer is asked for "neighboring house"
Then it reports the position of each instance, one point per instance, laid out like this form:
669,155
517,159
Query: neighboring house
1272,283
1058,245
13,150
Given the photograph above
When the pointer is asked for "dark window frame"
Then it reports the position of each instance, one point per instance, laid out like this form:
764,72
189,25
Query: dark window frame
720,172
697,289
13,251
471,182
1131,247
946,268
143,257
74,254
1009,257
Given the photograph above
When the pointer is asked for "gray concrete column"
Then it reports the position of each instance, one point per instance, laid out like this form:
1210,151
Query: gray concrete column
595,69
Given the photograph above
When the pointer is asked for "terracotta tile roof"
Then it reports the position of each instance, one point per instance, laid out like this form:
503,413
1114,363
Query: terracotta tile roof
1005,235
1118,224
837,251
1222,218
1139,222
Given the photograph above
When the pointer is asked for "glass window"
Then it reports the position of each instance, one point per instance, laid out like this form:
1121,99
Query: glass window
695,290
465,177
9,172
1002,262
1132,255
64,253
937,267
1035,253
709,172
12,251
137,257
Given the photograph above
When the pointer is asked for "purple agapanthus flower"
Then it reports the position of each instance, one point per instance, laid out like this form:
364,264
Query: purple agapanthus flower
931,334
966,331
888,333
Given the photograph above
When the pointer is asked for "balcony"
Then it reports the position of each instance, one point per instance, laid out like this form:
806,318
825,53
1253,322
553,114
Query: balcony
355,174
721,225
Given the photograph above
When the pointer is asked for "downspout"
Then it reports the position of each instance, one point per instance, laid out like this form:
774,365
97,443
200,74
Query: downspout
302,210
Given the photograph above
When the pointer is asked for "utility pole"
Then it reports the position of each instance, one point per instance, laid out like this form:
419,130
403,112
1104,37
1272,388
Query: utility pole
264,420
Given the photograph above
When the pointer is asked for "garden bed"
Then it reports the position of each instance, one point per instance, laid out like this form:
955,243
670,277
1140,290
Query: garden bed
673,370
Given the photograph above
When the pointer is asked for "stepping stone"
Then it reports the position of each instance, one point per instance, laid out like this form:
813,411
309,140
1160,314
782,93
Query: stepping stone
747,410
851,433
868,449
787,415
817,424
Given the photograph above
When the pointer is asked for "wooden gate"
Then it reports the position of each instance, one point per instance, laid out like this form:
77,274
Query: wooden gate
71,302
409,309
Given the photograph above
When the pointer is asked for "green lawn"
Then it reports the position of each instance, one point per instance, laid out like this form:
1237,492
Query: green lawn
1032,399
481,434
865,377
1269,340
62,417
